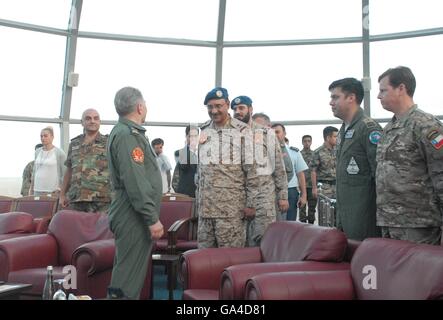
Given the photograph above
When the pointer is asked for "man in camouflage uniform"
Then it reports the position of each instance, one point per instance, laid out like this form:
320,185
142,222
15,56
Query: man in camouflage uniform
228,182
356,148
272,172
135,209
263,120
86,181
323,164
27,175
409,174
307,155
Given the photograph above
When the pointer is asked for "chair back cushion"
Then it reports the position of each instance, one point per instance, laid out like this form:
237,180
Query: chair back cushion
16,222
173,210
395,269
296,241
74,228
38,206
6,204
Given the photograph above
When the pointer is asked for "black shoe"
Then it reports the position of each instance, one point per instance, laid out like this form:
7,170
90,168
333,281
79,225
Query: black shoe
116,294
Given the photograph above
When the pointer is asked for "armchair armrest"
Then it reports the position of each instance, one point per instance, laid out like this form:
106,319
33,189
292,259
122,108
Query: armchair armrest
36,251
41,224
299,285
173,231
95,256
202,268
234,278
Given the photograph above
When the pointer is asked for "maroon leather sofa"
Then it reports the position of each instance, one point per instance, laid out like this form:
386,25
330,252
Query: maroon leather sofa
381,269
222,273
81,239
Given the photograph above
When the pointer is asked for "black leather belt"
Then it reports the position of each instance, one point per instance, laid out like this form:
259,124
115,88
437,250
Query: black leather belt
331,182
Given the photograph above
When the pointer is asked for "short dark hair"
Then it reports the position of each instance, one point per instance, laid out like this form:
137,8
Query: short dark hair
38,145
399,75
189,127
261,115
328,131
349,86
157,141
279,124
306,136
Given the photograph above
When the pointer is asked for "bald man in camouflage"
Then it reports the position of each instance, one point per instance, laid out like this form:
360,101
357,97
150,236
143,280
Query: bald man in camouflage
86,182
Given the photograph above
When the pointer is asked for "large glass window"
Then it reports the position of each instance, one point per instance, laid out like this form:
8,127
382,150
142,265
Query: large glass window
31,78
290,83
404,15
51,13
173,79
191,19
18,150
423,56
288,19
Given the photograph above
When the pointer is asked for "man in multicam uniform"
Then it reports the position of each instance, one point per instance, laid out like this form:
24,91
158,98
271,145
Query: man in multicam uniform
323,164
228,182
86,181
307,154
409,175
272,172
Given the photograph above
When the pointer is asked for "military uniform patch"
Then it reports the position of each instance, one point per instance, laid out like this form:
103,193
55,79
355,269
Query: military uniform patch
374,137
353,167
349,134
436,139
138,155
219,93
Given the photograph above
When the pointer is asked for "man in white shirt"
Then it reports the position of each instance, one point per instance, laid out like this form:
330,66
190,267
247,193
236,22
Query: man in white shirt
163,164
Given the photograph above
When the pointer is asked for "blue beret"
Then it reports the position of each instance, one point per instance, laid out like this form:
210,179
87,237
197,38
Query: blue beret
241,100
216,93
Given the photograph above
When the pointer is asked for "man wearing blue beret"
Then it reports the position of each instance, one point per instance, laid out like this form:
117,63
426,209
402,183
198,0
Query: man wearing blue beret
272,172
228,184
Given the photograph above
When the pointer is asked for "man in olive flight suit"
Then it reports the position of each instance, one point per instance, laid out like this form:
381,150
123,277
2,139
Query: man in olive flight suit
136,181
355,171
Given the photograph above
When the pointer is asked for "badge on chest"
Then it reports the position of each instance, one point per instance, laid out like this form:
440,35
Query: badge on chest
352,167
349,134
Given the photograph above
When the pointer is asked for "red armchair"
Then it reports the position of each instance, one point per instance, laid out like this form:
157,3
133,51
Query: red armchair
177,216
38,206
381,269
74,238
222,273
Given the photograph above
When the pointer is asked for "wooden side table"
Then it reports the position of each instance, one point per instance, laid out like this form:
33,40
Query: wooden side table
12,291
171,263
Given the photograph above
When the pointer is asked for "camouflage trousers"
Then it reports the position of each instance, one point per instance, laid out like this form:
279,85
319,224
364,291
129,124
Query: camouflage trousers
328,190
430,235
90,206
312,203
255,229
221,232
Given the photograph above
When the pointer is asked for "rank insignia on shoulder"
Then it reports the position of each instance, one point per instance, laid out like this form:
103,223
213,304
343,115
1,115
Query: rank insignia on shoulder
436,139
374,137
294,148
138,155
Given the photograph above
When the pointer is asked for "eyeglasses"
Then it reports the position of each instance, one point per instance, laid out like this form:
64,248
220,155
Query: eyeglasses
217,106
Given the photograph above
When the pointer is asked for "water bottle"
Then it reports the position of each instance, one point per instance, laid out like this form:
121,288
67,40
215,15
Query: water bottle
48,289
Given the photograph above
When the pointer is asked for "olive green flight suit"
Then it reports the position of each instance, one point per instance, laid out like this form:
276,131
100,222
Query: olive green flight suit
356,197
137,184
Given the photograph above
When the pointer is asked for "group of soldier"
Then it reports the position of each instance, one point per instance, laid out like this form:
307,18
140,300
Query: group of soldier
387,182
